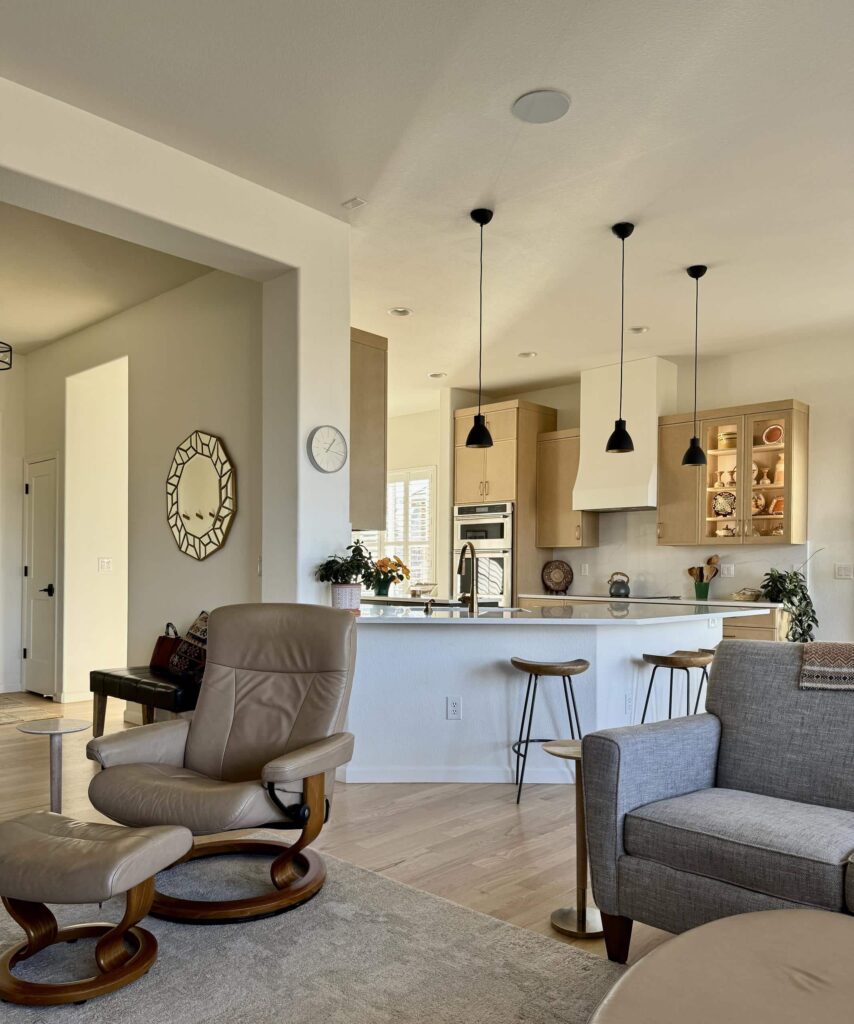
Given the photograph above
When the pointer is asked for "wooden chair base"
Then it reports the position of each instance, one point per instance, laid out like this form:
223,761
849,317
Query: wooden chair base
123,953
297,875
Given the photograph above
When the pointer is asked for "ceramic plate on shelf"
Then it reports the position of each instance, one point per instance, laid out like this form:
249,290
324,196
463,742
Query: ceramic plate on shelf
773,434
723,504
758,503
557,576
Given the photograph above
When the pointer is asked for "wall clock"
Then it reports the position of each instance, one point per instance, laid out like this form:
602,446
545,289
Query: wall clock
327,449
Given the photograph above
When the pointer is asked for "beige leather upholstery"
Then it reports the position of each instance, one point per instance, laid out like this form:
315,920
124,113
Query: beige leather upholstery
785,966
138,794
271,707
161,743
48,858
551,668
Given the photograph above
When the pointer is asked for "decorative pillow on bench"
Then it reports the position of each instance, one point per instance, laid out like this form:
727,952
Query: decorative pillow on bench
188,661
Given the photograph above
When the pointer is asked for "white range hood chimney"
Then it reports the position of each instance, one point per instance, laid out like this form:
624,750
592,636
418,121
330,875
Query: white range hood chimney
630,480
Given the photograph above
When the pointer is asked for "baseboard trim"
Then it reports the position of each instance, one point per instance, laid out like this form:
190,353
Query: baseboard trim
463,773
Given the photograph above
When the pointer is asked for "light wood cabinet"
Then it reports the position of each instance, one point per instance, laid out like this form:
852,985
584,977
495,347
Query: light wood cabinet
368,429
506,472
558,524
753,489
771,626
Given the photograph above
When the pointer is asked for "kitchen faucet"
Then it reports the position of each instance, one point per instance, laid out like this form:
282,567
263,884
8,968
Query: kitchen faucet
471,598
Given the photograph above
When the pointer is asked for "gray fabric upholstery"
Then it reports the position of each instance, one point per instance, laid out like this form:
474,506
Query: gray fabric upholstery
777,739
677,900
627,768
140,794
159,743
48,858
849,886
790,850
273,700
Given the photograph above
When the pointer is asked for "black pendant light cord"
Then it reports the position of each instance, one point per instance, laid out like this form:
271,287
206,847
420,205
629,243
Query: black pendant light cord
480,328
696,343
622,315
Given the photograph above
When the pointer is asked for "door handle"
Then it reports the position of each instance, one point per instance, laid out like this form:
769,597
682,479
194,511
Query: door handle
49,590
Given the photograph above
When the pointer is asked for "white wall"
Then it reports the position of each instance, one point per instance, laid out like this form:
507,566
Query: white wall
194,357
12,395
95,609
67,163
413,440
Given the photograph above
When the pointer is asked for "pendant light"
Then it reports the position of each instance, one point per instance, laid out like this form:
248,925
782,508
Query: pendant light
479,435
620,440
695,456
5,356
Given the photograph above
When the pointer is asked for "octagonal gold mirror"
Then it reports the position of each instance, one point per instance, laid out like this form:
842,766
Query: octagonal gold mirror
201,495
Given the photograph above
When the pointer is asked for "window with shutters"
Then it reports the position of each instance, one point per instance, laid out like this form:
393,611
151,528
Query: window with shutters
410,530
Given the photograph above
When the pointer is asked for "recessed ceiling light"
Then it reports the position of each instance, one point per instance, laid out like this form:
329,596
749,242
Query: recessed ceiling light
639,330
354,203
527,355
400,311
541,106
437,375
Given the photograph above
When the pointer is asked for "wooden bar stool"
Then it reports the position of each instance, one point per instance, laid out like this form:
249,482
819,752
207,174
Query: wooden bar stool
678,661
535,669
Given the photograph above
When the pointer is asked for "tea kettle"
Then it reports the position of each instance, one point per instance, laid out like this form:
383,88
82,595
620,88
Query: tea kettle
618,584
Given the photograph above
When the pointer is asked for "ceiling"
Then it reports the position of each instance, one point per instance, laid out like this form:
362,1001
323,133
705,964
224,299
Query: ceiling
724,130
56,278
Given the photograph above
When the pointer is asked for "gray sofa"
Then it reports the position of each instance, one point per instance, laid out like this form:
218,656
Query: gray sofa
747,807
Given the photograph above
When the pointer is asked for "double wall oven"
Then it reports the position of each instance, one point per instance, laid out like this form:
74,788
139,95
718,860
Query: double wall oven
489,528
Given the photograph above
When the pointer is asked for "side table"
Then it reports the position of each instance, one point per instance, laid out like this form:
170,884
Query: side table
582,921
55,728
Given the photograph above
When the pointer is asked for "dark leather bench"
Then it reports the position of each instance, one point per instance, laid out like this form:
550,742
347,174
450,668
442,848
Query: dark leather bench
140,685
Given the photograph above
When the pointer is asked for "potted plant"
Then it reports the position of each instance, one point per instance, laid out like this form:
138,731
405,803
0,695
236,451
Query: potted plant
386,571
790,590
346,573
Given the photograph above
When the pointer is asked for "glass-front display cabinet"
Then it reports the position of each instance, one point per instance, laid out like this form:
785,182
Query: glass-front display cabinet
753,489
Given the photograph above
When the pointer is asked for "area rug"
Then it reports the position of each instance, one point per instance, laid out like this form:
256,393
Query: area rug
14,709
365,950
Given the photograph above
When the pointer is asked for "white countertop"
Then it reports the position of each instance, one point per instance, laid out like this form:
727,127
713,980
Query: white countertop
758,606
594,612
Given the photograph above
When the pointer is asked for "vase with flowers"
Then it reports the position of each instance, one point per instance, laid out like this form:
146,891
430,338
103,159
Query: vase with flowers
384,572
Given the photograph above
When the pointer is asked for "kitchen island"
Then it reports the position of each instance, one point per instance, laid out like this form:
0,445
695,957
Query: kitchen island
409,663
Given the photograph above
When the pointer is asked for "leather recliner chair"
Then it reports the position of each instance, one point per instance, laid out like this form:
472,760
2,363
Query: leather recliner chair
260,751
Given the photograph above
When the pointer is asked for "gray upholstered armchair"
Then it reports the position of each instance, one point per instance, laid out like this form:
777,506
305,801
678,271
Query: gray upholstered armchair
260,751
747,807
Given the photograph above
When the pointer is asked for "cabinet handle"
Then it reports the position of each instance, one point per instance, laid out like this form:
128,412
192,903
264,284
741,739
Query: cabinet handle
578,531
480,488
658,531
487,487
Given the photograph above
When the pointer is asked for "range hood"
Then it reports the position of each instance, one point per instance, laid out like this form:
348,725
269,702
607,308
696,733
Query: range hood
627,481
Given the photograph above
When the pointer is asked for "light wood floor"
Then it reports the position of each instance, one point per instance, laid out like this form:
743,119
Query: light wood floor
470,844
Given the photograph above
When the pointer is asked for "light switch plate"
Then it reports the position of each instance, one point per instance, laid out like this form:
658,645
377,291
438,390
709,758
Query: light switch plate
843,571
727,569
105,565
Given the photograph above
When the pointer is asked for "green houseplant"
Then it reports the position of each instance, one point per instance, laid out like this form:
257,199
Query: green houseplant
790,590
346,574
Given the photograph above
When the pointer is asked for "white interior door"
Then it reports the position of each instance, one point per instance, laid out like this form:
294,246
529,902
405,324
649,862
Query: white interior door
40,577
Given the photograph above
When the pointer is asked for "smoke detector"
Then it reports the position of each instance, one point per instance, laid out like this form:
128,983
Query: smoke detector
541,106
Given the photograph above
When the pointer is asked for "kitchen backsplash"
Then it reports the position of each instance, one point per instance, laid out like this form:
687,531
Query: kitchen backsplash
627,542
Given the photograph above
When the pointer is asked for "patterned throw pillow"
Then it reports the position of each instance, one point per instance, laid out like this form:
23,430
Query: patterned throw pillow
189,660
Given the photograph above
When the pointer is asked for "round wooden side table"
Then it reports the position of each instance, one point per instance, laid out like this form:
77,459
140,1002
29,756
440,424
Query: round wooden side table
55,728
582,921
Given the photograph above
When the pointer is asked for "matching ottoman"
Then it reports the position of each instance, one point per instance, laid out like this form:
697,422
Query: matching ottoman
48,858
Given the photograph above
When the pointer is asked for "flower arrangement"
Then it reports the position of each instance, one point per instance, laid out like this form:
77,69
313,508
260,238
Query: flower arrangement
384,572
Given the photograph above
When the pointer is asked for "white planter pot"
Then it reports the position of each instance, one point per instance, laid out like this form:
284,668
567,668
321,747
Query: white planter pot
347,595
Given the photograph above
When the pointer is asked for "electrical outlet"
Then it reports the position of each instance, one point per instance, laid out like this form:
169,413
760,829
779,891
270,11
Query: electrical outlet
453,709
585,569
843,571
628,703
727,570
714,622
105,565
